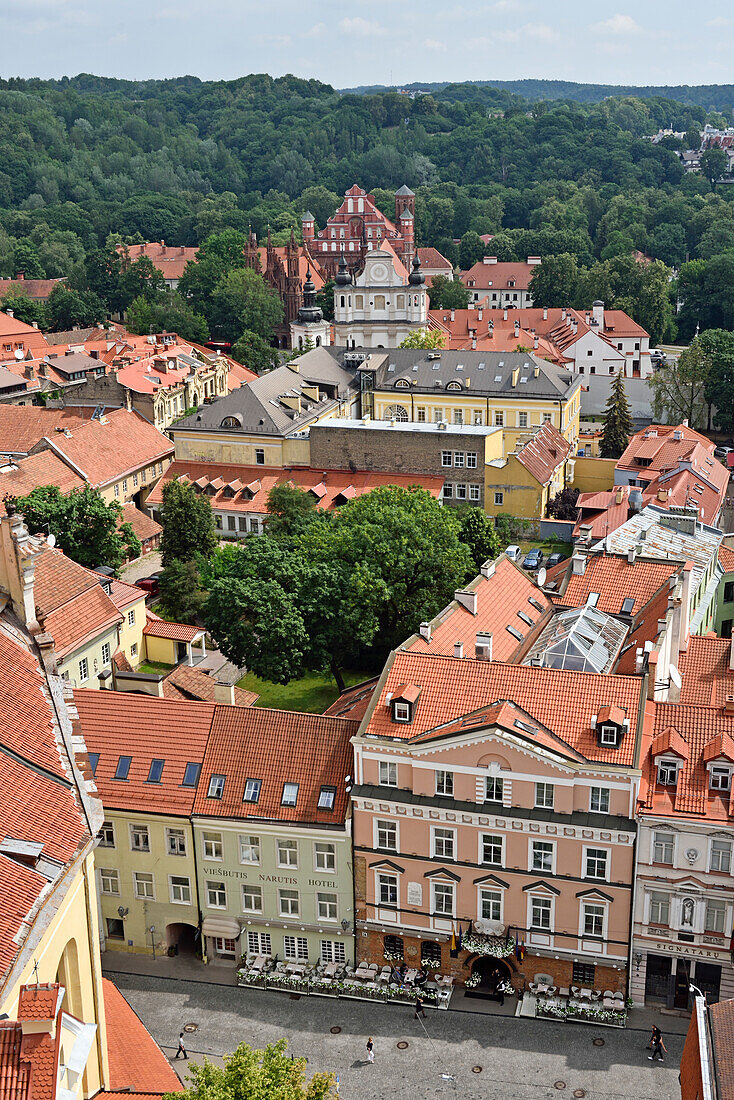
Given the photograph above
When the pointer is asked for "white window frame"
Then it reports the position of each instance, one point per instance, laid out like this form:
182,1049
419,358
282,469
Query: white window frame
390,881
216,888
609,735
216,786
289,903
474,492
83,670
447,458
445,783
499,498
497,898
543,799
109,881
212,846
438,889
251,889
382,824
131,617
597,905
259,943
721,847
719,777
494,780
180,887
325,902
329,856
471,460
108,831
251,842
144,879
720,907
174,838
442,845
333,951
135,828
654,844
295,948
388,773
401,712
588,857
660,899
603,794
286,852
548,906
543,870
106,653
492,838
667,775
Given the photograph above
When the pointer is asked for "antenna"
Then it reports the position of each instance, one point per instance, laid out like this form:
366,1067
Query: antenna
18,354
51,540
542,574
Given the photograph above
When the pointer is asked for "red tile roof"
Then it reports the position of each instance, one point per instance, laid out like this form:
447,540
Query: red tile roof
498,276
145,728
37,289
185,682
491,331
544,453
177,632
38,1002
137,1063
278,747
563,702
500,599
726,559
353,702
71,604
170,259
615,578
20,888
721,1026
15,1072
704,667
144,526
656,443
707,732
21,426
45,468
604,512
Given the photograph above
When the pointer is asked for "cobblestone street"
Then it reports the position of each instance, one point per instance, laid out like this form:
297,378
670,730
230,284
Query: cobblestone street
519,1059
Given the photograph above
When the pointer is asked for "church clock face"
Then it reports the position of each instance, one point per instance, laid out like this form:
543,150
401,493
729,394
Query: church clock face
378,273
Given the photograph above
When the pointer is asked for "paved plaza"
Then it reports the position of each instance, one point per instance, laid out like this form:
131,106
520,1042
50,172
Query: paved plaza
519,1059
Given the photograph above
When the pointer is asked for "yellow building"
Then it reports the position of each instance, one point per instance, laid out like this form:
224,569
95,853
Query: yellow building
528,477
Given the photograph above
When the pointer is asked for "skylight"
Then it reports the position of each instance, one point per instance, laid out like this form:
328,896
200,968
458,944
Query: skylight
481,366
627,604
523,378
216,786
326,798
515,633
459,366
525,726
391,367
156,771
498,377
123,767
93,761
191,775
290,794
592,599
252,790
536,603
525,618
437,366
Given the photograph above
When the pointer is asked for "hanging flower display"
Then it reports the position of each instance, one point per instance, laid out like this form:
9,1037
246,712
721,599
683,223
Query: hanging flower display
498,948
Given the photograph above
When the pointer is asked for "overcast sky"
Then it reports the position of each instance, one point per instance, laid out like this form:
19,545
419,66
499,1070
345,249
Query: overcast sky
648,42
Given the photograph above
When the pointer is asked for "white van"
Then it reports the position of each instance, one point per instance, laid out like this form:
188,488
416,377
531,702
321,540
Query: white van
513,552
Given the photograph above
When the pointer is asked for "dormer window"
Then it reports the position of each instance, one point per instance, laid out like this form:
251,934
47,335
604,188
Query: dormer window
609,735
402,702
401,712
610,725
668,773
720,778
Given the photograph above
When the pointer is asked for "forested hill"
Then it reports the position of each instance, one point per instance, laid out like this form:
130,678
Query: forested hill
718,97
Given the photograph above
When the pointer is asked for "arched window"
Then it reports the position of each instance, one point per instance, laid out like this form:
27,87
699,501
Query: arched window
342,301
318,341
396,412
300,343
454,386
402,384
230,422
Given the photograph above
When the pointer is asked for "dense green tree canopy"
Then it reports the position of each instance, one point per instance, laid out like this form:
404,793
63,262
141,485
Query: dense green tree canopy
248,1074
86,527
188,524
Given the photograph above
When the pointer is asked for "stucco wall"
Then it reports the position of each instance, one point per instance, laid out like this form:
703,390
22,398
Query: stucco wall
593,475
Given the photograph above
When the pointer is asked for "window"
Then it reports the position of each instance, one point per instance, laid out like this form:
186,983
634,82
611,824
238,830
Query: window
326,798
444,842
134,649
388,774
715,916
231,523
106,653
83,670
131,617
324,856
387,835
474,492
461,491
522,420
437,414
401,712
180,889
430,953
143,883
387,889
287,853
326,906
393,946
249,849
447,458
93,756
583,974
212,845
216,895
139,838
608,735
662,848
542,856
259,456
252,898
107,835
176,842
459,459
471,460
333,951
445,783
499,419
729,592
659,908
540,913
499,498
191,775
110,880
668,773
115,928
252,790
493,790
295,947
458,416
288,903
135,481
443,898
156,771
124,485
223,946
547,417
448,490
123,767
544,795
599,800
290,794
117,490
491,849
218,522
720,857
216,786
421,416
490,904
258,943
719,778
596,863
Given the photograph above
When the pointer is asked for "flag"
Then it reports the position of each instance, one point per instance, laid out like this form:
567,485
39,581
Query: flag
461,937
453,938
522,950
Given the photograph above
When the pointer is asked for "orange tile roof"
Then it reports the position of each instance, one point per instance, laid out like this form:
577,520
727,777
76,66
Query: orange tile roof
500,599
38,1002
137,1063
21,888
145,728
21,426
544,453
277,746
604,512
38,1057
563,702
144,526
656,442
15,1072
123,594
170,259
469,325
35,288
707,733
185,682
726,559
71,604
498,276
45,468
177,632
704,667
106,450
615,579
353,702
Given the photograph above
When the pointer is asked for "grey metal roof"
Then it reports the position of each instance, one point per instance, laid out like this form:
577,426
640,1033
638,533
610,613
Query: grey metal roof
651,529
404,190
580,640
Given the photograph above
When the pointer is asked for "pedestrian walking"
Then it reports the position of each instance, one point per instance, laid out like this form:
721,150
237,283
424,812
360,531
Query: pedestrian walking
657,1050
419,1009
370,1050
181,1047
655,1036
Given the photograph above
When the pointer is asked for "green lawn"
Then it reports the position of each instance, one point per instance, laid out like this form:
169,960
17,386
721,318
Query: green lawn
153,667
313,692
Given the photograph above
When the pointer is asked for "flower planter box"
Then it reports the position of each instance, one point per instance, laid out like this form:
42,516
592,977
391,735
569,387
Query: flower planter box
563,1016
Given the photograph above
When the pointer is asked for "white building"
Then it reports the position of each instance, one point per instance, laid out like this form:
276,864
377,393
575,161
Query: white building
380,306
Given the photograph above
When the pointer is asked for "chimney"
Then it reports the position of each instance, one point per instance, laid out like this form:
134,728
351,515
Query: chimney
458,649
639,661
479,314
10,312
490,260
504,315
34,324
563,315
483,646
487,570
652,669
474,343
224,693
631,554
467,599
453,314
598,309
425,631
578,564
545,313
535,343
20,275
620,495
517,328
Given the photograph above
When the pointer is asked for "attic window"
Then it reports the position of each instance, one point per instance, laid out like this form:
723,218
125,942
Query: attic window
627,604
391,368
481,366
290,794
191,775
525,618
459,366
498,377
156,771
401,712
668,773
402,384
536,603
327,795
454,386
592,599
252,790
436,366
720,778
123,767
609,735
93,762
515,633
216,786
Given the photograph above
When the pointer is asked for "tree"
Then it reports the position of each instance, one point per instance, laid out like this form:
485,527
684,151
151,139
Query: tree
86,527
706,290
289,510
478,532
243,301
713,164
424,338
170,314
325,300
471,249
188,523
181,592
140,279
66,308
563,505
253,352
258,1075
23,307
679,390
717,347
445,293
617,421
554,283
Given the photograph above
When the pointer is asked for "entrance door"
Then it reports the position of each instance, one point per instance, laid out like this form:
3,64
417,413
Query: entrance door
708,980
182,651
682,981
657,979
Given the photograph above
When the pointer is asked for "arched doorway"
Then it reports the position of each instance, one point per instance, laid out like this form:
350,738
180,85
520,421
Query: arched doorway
491,972
184,937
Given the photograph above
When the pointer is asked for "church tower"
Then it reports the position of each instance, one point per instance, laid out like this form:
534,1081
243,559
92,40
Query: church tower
309,325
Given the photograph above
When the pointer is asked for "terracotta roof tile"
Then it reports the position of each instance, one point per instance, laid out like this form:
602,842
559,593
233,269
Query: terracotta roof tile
185,682
20,888
38,1002
178,632
616,579
498,276
71,604
353,702
704,668
14,1073
137,1063
45,468
707,732
726,558
544,453
21,426
721,1024
144,526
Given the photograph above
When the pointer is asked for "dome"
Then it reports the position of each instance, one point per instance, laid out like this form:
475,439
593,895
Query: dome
343,277
416,277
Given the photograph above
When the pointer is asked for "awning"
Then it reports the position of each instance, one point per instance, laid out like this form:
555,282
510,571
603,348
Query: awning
226,927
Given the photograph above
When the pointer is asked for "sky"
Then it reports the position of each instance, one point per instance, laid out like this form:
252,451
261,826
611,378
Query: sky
385,42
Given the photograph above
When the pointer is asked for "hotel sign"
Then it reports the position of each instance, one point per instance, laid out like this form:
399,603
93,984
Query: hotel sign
688,950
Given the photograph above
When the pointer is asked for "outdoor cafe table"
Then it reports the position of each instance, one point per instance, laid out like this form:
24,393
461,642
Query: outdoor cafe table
330,970
295,968
410,976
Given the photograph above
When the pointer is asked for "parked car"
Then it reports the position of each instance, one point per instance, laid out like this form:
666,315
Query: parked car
556,559
722,452
513,552
151,584
533,559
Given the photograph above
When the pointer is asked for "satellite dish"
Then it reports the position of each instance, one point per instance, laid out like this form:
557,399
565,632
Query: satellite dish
18,353
675,677
51,540
542,574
